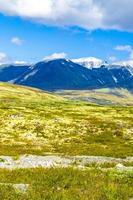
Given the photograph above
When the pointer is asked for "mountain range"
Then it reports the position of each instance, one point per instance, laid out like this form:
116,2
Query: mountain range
69,74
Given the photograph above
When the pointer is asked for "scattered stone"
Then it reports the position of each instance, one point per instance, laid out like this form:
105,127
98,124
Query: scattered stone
120,167
22,188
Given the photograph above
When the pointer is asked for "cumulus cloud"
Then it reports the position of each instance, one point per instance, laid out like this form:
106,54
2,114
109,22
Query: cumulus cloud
126,48
55,56
89,14
17,41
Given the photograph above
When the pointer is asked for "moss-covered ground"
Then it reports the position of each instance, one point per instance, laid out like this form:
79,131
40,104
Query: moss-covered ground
34,122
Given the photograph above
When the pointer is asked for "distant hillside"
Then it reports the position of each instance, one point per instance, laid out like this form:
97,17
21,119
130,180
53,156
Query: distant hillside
104,96
11,92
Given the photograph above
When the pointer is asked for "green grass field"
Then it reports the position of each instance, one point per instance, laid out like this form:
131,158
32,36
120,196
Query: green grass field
39,123
64,184
33,122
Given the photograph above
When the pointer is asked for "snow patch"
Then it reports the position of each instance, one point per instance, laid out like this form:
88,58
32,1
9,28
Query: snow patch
30,74
89,62
115,79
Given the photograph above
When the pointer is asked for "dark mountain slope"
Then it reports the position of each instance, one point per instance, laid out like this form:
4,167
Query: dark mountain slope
11,72
67,75
58,74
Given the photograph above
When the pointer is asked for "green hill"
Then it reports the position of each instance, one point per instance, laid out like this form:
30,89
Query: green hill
100,96
35,122
25,93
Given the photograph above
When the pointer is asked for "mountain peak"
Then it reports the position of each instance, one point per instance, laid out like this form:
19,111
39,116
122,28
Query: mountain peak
89,62
62,73
55,56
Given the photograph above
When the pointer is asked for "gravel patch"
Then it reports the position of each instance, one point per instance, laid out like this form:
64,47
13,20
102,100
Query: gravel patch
34,161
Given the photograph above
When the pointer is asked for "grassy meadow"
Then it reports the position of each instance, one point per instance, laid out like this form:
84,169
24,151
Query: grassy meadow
40,123
67,183
34,122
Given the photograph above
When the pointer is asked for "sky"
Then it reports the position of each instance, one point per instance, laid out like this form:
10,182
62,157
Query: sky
31,30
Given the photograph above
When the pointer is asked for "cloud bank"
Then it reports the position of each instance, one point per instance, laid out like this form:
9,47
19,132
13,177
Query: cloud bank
88,14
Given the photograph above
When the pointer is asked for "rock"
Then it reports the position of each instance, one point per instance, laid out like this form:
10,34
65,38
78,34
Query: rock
120,166
22,188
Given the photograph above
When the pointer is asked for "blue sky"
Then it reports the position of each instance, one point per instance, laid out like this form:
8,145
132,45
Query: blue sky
22,39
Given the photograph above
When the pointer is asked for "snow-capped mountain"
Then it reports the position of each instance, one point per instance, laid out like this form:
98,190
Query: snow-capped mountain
89,62
56,74
124,63
66,74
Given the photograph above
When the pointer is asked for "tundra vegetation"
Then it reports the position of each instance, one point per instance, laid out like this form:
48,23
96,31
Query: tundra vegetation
67,183
40,123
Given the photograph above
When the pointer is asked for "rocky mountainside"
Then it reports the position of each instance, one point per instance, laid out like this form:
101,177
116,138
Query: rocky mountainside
8,73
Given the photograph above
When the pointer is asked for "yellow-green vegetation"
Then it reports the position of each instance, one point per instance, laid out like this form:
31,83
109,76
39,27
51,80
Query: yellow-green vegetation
108,164
33,122
67,183
100,96
36,122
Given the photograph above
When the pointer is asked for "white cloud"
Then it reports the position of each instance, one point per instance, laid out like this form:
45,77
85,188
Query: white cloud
89,14
55,56
17,41
55,12
3,57
126,48
17,62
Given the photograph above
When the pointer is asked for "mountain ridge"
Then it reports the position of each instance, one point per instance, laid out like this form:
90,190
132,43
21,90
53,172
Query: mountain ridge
65,74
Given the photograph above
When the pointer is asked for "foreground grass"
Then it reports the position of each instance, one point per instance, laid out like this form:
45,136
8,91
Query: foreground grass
33,122
68,183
